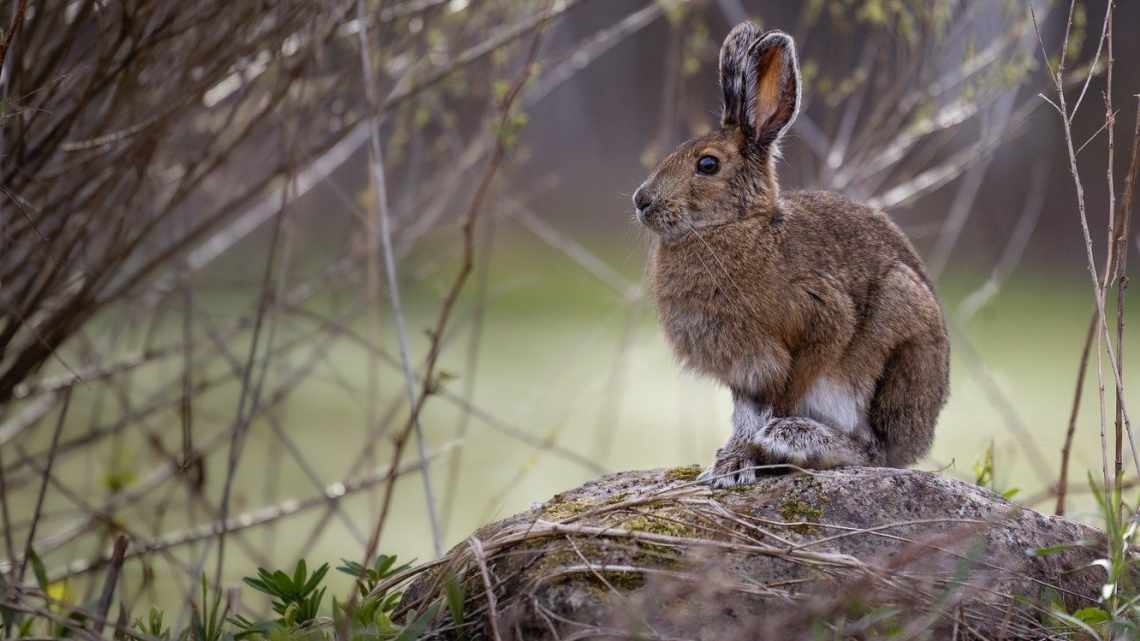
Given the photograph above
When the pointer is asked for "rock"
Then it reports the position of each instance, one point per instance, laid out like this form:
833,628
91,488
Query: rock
868,551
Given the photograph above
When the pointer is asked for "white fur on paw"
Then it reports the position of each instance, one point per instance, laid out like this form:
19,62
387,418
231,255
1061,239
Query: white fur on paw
817,447
777,450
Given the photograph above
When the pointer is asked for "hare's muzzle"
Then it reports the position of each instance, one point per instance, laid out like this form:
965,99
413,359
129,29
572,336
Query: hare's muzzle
642,199
643,203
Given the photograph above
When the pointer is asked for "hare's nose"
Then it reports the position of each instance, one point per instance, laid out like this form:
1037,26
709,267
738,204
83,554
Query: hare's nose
642,199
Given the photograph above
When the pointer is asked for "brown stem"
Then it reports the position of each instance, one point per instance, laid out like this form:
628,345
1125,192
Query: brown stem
17,20
1066,449
470,219
46,476
117,558
1123,226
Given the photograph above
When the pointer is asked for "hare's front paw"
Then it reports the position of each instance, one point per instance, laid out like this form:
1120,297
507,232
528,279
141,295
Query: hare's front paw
804,442
733,466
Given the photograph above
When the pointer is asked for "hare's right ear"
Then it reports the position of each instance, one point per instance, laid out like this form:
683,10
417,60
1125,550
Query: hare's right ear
760,79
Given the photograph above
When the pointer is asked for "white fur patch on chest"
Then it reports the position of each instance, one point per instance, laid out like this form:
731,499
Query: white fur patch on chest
836,404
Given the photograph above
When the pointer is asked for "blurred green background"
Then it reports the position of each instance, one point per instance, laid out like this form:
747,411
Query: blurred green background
566,360
553,369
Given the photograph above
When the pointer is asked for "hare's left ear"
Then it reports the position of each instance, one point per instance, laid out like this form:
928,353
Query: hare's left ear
760,78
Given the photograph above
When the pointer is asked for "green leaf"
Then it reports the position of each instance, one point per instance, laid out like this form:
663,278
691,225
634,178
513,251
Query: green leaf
315,580
282,582
25,629
418,627
455,599
1073,621
1092,616
383,563
256,584
299,574
38,569
351,568
1050,549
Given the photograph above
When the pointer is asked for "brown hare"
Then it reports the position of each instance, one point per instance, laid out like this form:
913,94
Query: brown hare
814,310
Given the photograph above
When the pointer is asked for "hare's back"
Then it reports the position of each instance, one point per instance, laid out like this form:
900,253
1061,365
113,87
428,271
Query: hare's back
831,228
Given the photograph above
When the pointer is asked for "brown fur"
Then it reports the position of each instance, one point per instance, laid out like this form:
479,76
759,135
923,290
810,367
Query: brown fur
800,303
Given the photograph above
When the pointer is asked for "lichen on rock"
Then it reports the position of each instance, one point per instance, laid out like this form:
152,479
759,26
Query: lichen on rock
872,547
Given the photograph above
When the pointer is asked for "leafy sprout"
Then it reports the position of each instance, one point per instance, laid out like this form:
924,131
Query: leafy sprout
297,598
368,578
154,625
209,626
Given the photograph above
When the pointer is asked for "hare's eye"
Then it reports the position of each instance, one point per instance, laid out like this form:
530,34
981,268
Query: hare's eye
708,165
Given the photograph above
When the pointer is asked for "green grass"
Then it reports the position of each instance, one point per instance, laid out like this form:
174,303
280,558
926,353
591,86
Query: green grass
551,338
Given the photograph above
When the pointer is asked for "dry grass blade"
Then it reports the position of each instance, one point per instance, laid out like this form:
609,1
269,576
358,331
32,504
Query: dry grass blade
488,586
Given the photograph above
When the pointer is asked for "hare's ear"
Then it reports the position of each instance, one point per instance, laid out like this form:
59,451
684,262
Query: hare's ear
760,78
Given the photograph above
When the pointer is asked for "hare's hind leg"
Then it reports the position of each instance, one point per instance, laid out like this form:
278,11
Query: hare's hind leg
908,398
902,354
809,443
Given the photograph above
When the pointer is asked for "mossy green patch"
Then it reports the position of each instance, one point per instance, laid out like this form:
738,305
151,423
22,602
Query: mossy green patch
623,580
686,473
803,505
615,498
797,511
658,554
597,556
561,509
665,526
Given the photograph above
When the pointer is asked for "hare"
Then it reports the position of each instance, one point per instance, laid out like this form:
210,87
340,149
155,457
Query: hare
814,310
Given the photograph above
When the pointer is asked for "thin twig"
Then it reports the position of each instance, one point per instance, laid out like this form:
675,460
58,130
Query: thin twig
111,581
247,397
1102,334
13,28
46,476
334,492
471,369
1074,412
1120,253
470,218
376,166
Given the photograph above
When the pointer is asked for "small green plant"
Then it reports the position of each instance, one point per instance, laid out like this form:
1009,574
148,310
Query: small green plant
984,475
1118,613
453,590
206,621
370,619
366,616
297,599
368,578
15,623
154,625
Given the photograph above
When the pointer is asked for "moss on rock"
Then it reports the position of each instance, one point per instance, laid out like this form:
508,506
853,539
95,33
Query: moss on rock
803,505
560,509
687,473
